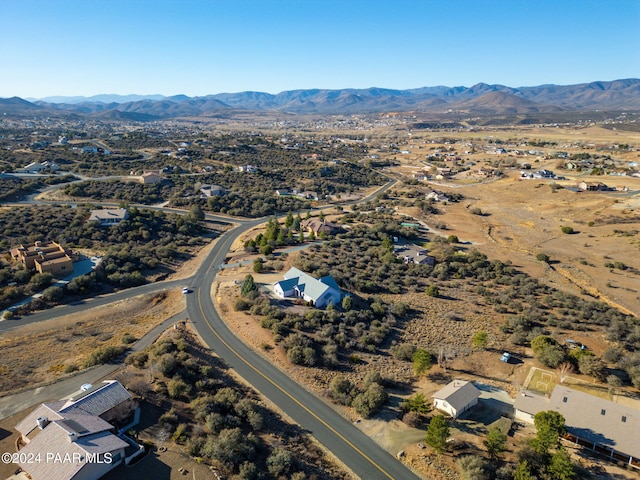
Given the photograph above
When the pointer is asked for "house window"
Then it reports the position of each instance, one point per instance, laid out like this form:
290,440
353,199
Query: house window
603,411
624,419
117,457
564,399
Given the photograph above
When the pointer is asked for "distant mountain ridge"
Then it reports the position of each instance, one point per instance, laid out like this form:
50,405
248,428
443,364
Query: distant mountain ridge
481,98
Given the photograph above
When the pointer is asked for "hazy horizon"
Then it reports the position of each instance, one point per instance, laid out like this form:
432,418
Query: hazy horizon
52,98
198,48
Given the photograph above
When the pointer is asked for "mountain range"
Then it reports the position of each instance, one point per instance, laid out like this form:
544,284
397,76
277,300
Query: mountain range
478,99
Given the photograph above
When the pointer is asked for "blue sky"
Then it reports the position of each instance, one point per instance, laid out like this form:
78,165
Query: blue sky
200,47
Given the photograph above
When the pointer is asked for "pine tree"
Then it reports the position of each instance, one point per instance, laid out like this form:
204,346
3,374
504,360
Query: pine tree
248,286
561,467
437,433
289,220
496,443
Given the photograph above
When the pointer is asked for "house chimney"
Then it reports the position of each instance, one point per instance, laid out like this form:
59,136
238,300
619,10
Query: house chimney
72,437
42,422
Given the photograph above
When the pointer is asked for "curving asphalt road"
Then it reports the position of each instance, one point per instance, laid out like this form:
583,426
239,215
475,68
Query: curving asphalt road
358,452
362,455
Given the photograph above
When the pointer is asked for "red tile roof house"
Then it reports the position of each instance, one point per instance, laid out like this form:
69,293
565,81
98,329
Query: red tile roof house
318,226
70,440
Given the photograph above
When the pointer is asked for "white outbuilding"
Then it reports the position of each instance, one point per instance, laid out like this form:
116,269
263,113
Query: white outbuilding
456,397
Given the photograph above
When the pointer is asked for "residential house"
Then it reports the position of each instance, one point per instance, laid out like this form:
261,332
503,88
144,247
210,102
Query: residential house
208,191
319,292
151,177
601,425
308,195
89,149
456,397
50,257
543,174
73,438
319,227
108,217
37,167
411,253
437,196
593,186
528,403
248,168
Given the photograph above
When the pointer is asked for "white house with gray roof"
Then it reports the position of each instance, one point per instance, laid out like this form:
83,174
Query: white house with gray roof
71,438
319,292
607,427
456,397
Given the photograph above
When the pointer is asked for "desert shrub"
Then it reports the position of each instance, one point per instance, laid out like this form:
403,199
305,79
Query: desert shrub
567,230
412,419
473,467
167,364
176,388
432,291
70,368
231,446
241,305
104,355
552,356
169,418
279,462
594,366
194,446
53,294
179,433
543,257
370,401
341,390
137,359
127,338
403,351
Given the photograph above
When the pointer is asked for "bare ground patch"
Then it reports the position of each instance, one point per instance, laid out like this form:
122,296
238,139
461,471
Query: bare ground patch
46,351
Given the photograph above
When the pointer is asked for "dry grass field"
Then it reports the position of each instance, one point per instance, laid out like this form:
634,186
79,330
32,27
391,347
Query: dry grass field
46,351
524,217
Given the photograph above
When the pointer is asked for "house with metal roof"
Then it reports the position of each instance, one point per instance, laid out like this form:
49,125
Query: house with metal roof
456,397
71,437
318,292
606,427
